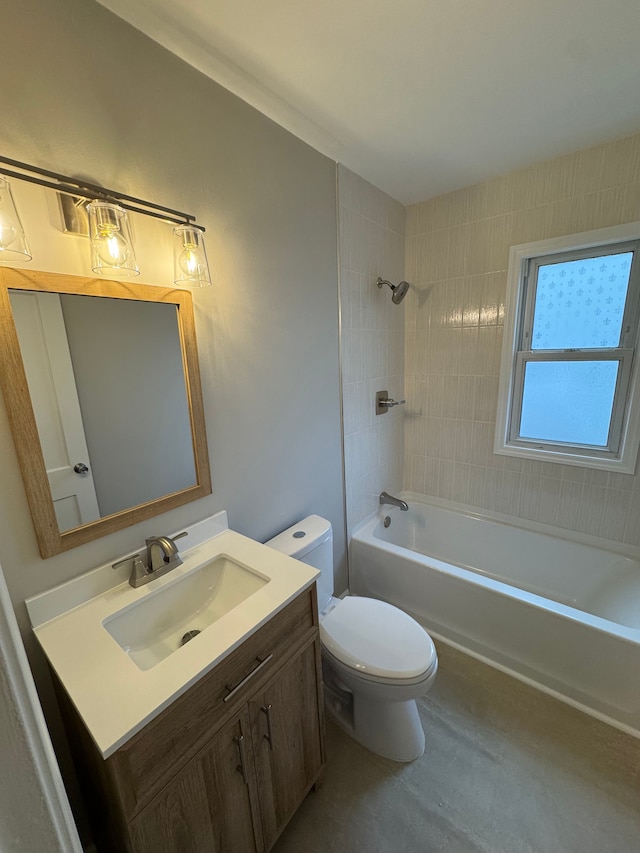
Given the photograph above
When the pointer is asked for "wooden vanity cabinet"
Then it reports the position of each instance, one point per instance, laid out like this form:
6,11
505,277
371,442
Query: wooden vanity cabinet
284,729
208,806
225,766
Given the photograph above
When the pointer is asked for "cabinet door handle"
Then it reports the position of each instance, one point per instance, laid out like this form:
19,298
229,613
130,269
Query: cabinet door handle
241,768
266,710
233,690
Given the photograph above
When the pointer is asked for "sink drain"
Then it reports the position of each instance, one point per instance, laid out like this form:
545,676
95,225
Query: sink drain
190,635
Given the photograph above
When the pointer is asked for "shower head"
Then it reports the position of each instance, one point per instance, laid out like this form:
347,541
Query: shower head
399,290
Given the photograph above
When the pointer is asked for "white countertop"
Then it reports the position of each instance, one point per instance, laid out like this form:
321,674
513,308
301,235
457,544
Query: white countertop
113,696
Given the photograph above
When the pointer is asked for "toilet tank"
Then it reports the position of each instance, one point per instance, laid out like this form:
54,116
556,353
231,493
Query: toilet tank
311,541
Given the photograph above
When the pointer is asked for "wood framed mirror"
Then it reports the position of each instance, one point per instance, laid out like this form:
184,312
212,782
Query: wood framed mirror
102,387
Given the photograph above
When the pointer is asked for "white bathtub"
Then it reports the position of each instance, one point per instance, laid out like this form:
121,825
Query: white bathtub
560,613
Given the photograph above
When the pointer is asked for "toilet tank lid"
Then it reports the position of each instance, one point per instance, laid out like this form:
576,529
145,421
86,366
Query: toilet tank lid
297,540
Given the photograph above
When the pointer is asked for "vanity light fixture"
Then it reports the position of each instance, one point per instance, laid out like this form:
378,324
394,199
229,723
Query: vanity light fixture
189,257
13,243
112,250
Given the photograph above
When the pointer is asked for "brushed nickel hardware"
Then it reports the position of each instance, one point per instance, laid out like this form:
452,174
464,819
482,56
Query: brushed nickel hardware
85,190
189,636
266,710
162,551
399,291
161,557
386,498
138,570
384,402
233,690
241,768
81,468
107,216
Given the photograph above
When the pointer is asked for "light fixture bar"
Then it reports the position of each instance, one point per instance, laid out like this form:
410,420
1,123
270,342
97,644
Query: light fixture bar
71,186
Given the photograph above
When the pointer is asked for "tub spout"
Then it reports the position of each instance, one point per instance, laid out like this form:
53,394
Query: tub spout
386,498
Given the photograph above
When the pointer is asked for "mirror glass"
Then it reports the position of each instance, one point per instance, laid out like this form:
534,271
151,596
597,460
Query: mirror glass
111,379
109,397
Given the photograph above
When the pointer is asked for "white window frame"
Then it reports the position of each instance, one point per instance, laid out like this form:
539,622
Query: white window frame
622,453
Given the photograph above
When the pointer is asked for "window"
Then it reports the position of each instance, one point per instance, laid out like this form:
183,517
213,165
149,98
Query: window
568,376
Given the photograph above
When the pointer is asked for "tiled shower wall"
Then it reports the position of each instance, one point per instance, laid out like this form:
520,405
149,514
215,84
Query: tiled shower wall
457,251
371,244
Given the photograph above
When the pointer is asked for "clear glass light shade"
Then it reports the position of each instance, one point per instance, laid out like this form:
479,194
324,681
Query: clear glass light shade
189,257
112,252
13,243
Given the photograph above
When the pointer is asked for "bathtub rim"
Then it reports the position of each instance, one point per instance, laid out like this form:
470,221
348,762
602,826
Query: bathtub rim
614,545
598,623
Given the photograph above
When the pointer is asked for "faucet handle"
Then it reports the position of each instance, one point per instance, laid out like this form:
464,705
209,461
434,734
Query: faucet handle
126,561
139,571
179,535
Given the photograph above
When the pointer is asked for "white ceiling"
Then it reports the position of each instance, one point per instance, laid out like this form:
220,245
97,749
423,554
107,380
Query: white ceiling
418,97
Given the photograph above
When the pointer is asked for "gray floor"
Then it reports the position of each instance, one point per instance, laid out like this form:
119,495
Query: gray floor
506,770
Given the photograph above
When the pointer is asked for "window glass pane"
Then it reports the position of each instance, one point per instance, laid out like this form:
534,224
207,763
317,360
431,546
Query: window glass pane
569,402
580,304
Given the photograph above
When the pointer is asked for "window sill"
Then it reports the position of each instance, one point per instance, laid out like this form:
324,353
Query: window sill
620,465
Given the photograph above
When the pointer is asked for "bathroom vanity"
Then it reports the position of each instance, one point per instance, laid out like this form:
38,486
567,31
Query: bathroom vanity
186,756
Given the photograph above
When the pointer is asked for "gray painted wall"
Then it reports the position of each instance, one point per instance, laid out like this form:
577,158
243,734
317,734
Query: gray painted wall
92,97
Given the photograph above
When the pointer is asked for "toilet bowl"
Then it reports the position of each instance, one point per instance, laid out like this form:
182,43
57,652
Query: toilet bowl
376,659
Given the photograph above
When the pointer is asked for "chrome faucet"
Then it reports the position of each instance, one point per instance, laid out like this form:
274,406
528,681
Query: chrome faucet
386,498
161,556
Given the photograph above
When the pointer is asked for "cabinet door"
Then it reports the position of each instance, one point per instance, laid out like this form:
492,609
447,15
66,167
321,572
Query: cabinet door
210,806
288,739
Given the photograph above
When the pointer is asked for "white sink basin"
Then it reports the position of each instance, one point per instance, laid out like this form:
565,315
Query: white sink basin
152,629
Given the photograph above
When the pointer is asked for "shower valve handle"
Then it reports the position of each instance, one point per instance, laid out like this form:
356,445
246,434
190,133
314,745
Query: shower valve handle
384,402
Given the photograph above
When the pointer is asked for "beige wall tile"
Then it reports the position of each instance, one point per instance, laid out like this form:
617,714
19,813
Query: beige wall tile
614,518
475,491
590,512
472,296
588,170
632,524
632,202
477,225
617,160
446,339
498,196
371,243
411,220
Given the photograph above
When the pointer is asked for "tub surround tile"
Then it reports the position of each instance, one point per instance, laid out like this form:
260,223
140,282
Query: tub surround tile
441,348
632,523
455,331
614,513
371,243
570,501
590,514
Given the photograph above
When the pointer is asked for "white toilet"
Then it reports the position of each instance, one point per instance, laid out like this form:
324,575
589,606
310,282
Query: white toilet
377,660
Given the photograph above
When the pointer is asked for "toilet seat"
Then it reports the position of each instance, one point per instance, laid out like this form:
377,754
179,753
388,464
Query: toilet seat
377,640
